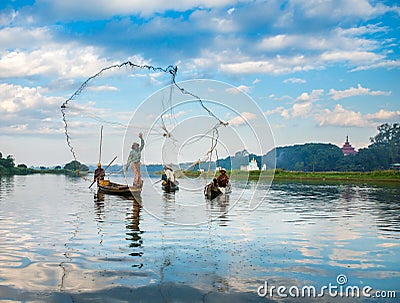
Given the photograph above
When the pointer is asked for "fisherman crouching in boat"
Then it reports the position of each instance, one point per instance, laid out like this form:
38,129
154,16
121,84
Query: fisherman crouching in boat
219,185
212,190
99,173
168,177
134,160
223,178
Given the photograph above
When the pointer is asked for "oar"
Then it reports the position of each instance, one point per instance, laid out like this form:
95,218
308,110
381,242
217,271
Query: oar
109,164
157,181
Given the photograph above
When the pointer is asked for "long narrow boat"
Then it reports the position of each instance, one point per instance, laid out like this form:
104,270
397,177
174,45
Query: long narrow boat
111,188
169,186
211,192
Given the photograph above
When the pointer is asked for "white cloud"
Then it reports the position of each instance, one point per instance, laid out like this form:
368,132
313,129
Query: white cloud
294,80
301,109
362,30
14,38
174,115
352,91
303,105
15,98
102,88
35,51
337,44
314,96
334,46
276,110
285,114
277,65
340,116
275,98
7,16
242,119
102,8
388,64
338,9
278,126
277,42
249,67
356,57
25,110
238,90
53,60
383,115
244,88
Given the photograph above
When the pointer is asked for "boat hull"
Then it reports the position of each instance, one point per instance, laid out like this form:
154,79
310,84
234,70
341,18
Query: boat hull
112,188
211,192
168,187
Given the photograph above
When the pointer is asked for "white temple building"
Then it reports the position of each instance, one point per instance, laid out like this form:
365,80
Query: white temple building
251,166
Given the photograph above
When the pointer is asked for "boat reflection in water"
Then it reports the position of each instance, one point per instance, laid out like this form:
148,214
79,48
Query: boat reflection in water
133,232
219,208
132,221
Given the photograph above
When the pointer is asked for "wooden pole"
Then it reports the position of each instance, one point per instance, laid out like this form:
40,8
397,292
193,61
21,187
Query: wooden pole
101,142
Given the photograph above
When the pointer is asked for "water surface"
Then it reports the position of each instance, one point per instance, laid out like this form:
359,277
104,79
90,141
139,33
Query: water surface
61,242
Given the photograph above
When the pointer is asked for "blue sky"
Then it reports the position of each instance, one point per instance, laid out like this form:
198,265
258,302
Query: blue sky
318,70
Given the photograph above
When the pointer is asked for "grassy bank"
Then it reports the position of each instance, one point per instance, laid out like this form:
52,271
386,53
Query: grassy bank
378,175
280,174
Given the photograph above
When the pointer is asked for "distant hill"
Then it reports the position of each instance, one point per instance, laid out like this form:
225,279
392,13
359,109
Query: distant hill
305,157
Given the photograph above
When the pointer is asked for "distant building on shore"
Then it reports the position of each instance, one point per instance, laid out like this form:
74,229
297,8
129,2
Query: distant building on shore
347,149
251,166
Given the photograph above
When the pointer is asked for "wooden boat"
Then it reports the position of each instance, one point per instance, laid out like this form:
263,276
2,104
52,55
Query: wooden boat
211,192
111,188
169,186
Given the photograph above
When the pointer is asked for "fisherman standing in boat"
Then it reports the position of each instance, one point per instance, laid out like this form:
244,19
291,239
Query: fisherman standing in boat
134,160
99,173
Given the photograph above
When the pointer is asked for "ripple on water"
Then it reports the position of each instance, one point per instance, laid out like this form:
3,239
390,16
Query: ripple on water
74,241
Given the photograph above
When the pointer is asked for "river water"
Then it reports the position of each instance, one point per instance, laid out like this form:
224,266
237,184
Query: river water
61,242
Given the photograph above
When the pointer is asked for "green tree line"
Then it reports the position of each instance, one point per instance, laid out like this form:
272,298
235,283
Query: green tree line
8,167
381,154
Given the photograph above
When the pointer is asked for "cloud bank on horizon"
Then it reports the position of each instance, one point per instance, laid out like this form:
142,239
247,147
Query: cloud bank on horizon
318,70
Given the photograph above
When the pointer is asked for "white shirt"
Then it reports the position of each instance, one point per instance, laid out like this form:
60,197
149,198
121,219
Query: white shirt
170,175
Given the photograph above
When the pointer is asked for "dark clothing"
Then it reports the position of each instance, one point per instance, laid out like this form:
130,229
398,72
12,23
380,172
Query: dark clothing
223,180
211,190
99,174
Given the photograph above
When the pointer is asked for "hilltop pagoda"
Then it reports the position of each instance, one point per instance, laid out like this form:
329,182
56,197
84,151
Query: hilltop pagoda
347,149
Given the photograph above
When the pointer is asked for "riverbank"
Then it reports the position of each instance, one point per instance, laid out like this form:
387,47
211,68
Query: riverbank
30,171
280,174
385,176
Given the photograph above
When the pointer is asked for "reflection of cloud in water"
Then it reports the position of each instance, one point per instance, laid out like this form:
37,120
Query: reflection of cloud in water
311,252
362,265
350,255
388,244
